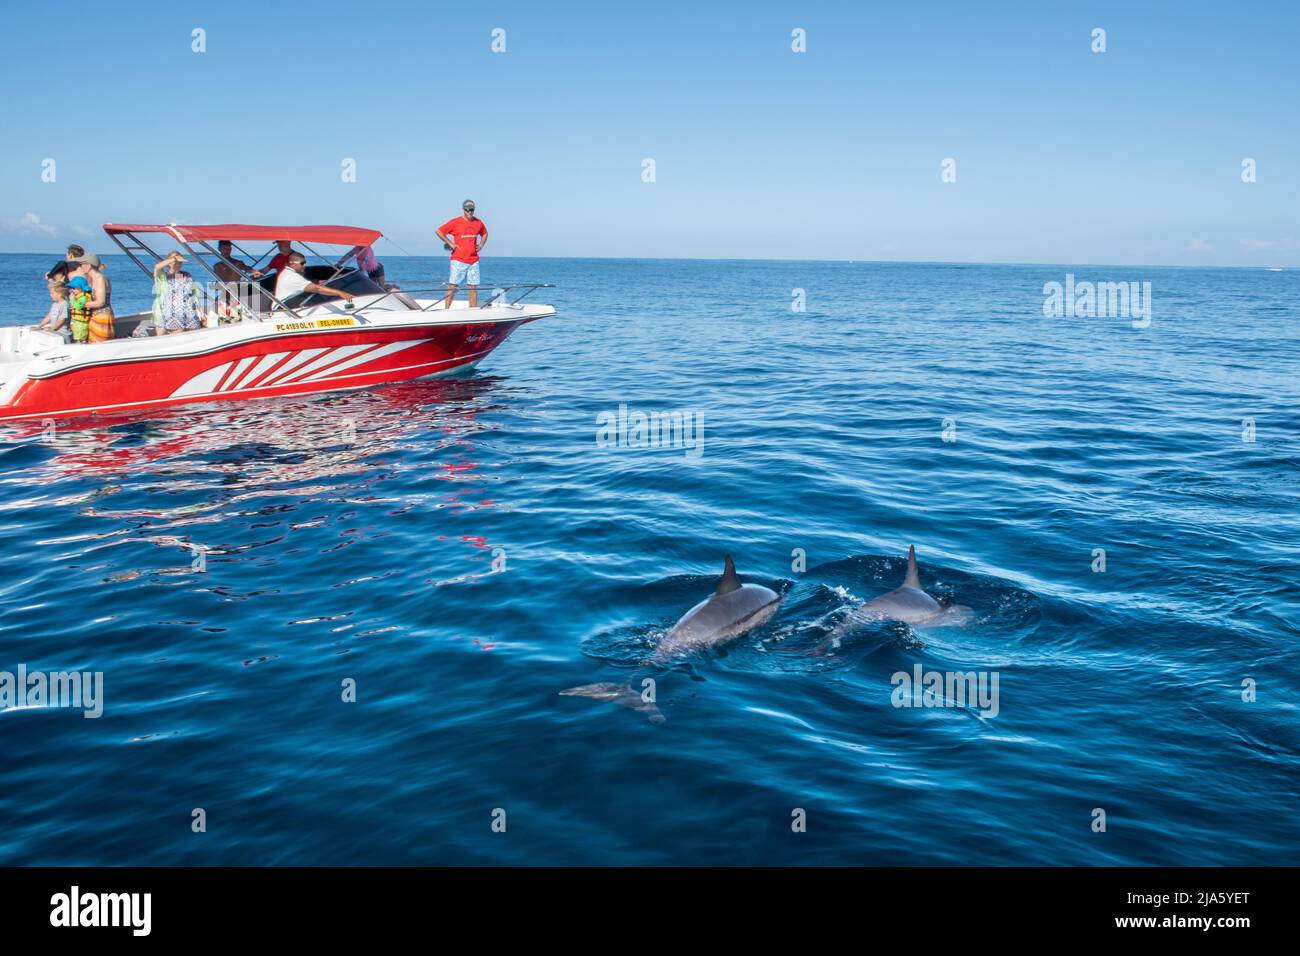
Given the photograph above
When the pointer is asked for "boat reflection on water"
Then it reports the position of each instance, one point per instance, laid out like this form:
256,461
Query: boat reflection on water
214,480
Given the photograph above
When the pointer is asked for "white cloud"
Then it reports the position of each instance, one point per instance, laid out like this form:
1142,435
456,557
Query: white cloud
30,222
1198,245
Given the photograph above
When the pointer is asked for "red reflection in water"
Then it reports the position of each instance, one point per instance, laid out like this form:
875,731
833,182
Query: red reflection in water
332,447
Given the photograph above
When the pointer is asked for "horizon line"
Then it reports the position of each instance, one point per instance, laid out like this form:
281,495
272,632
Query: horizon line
917,262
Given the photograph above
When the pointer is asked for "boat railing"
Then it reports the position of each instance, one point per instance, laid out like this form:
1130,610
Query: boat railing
245,294
498,295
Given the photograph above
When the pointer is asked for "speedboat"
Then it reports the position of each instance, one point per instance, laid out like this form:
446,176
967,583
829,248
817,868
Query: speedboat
253,345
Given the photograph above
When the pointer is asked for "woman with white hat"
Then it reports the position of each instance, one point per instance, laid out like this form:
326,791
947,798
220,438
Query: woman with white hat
177,299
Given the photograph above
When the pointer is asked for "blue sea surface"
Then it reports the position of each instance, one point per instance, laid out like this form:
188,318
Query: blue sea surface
465,549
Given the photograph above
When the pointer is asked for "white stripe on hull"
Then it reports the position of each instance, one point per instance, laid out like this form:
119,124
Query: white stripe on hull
203,383
306,355
381,352
333,355
307,365
240,367
262,367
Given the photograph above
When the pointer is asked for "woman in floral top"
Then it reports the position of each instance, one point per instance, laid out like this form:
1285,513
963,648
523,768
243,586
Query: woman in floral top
177,298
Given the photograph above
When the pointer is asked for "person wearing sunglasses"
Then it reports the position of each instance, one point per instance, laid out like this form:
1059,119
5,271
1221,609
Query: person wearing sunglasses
465,236
292,281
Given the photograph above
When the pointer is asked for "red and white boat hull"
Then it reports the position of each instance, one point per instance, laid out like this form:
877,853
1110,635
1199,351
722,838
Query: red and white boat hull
328,349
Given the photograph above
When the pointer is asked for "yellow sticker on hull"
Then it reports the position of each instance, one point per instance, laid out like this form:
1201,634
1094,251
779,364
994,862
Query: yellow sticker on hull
313,324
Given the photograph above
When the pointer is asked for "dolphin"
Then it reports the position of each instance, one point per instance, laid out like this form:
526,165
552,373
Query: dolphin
907,603
727,614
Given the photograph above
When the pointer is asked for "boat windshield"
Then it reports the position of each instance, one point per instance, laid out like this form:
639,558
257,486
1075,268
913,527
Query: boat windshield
350,280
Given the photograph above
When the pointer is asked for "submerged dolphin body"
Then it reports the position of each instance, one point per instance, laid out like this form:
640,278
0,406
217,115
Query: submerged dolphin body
907,603
730,612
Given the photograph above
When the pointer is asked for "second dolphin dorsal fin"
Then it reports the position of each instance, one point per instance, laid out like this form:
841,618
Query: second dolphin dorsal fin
729,580
913,580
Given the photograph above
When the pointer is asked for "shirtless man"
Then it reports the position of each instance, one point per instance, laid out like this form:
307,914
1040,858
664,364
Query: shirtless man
230,269
236,273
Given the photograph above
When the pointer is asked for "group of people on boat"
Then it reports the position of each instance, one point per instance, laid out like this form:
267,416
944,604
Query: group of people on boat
81,293
81,297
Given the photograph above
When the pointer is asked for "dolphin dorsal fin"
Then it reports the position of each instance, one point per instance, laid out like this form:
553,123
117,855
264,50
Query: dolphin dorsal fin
729,580
913,580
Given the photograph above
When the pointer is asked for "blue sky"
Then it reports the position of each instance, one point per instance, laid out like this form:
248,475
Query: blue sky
1062,155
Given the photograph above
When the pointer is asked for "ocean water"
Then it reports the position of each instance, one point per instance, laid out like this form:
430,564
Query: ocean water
465,549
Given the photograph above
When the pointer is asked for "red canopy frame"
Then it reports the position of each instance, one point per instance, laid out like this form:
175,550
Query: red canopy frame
332,235
127,237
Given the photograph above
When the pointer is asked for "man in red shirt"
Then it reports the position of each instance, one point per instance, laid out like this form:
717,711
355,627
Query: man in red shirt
467,236
278,261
